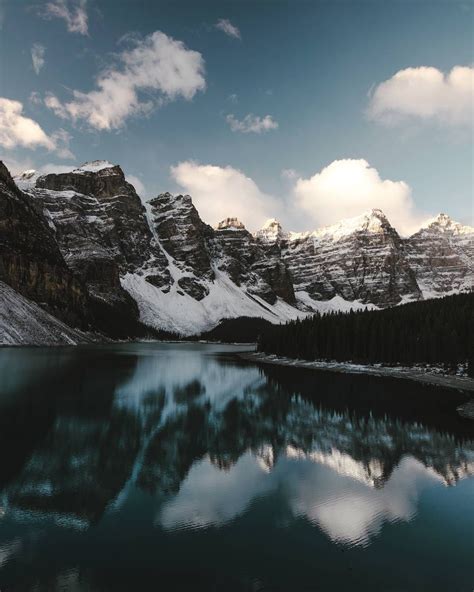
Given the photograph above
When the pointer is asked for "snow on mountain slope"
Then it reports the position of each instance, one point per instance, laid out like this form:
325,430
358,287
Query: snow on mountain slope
271,232
180,313
371,221
93,166
335,304
161,262
23,322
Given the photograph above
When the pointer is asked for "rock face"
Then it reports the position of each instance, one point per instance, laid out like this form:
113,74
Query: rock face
442,256
183,235
97,216
199,252
360,259
101,229
83,239
23,322
30,260
251,262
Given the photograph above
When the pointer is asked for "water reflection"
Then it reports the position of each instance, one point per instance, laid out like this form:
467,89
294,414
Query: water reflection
208,439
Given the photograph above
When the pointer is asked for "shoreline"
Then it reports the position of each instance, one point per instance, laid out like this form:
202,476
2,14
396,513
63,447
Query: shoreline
459,383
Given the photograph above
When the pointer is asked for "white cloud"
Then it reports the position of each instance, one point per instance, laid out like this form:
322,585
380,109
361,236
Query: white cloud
343,189
73,12
156,63
346,188
228,28
425,93
251,124
18,166
233,98
35,98
61,139
52,103
289,174
16,130
37,56
220,192
137,183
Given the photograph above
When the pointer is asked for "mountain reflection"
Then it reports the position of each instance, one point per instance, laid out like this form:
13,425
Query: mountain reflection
208,438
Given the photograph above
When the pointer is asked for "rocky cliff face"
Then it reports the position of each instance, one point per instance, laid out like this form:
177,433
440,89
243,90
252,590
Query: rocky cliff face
101,229
163,265
441,255
360,259
183,235
30,260
252,262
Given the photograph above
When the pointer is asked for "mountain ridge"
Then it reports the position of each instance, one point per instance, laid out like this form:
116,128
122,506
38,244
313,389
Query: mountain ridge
161,264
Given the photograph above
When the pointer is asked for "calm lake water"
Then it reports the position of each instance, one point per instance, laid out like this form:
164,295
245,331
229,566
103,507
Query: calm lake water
180,467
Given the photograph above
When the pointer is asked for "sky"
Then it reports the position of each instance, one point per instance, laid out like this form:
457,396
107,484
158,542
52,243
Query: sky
309,112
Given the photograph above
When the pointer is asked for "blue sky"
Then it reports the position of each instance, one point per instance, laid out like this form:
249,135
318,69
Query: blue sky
315,70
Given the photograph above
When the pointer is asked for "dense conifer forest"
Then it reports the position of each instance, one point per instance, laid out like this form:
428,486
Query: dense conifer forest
240,330
438,331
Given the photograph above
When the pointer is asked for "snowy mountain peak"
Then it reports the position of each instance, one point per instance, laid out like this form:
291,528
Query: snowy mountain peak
27,174
26,179
443,219
271,231
271,223
444,223
376,213
94,166
230,224
371,221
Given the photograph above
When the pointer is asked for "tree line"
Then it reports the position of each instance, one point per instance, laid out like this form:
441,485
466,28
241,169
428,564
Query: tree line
437,331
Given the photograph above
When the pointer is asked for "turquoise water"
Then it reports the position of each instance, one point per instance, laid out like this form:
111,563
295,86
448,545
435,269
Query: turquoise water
182,467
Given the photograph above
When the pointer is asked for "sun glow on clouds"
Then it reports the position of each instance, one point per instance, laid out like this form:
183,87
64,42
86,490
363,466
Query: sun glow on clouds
346,188
157,64
220,192
343,189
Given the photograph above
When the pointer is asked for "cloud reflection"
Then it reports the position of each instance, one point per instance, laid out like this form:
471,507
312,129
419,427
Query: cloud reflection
349,511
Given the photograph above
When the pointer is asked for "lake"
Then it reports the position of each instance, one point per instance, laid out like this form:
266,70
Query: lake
182,467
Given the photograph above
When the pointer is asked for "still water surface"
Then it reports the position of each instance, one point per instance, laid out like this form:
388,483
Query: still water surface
181,467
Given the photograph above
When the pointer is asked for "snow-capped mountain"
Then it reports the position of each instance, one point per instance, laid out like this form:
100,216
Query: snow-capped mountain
361,259
162,265
441,254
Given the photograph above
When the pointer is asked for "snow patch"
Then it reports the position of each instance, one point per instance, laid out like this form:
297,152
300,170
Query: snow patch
372,221
23,322
335,304
178,312
94,166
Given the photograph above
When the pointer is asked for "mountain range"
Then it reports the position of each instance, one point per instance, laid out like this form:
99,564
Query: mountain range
82,255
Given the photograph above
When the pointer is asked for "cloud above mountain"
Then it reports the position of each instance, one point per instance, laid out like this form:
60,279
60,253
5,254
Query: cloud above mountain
343,189
220,192
347,187
157,67
427,94
17,130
